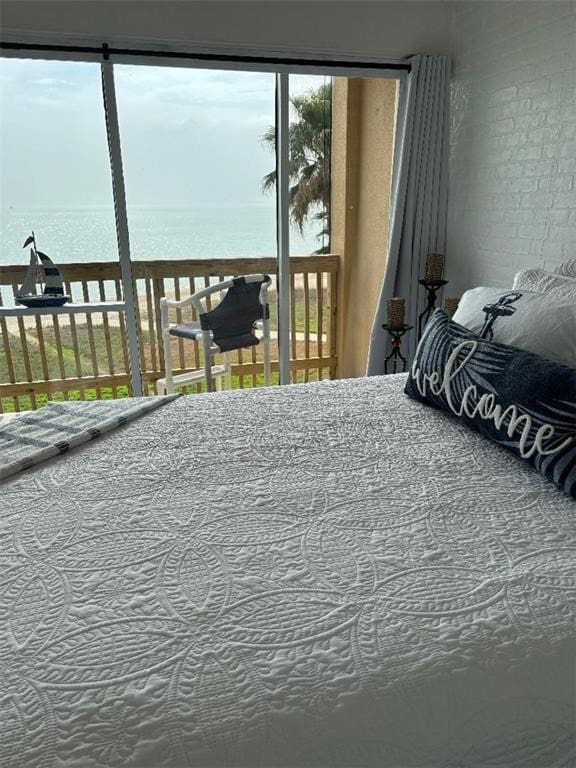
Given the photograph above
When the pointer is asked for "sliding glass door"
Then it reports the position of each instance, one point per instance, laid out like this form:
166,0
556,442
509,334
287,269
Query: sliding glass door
208,173
194,160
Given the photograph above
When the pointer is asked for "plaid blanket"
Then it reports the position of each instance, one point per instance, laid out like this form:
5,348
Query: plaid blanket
28,440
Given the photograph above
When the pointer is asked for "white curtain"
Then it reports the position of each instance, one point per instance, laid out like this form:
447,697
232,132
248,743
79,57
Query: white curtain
419,197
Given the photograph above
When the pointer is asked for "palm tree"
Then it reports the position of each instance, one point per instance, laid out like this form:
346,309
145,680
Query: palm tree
309,162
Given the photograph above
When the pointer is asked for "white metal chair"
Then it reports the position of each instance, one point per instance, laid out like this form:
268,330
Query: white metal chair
227,327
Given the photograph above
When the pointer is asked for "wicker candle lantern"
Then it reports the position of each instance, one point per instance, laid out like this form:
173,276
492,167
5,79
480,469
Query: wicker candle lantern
451,305
396,311
434,267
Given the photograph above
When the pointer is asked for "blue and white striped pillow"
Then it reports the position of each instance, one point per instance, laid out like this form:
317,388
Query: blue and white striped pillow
515,398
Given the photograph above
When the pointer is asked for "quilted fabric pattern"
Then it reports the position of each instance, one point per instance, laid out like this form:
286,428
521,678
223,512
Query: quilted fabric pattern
321,575
57,427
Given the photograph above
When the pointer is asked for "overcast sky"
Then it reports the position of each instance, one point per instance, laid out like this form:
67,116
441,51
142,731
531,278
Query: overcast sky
189,136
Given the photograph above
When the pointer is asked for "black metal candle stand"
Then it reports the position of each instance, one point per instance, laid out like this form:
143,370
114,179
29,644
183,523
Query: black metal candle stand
432,288
396,354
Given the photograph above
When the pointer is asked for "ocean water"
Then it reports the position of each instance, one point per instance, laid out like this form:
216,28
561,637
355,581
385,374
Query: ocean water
199,232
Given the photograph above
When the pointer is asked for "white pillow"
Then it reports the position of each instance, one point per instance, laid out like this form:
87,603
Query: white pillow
539,281
567,269
537,322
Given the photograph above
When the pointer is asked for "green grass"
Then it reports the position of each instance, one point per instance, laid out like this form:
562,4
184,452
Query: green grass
300,316
26,404
92,342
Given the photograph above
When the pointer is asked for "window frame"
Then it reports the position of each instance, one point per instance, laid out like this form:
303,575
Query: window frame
279,65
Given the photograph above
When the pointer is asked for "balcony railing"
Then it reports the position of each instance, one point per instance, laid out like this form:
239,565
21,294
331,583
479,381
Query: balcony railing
66,356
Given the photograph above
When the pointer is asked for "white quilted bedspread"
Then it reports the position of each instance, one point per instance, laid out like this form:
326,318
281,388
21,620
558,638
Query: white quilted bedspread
323,575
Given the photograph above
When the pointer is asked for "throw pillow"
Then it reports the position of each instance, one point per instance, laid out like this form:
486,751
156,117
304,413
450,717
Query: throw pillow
536,322
519,400
567,268
539,281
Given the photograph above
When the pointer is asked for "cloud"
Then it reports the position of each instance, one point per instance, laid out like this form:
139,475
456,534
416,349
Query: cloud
52,82
187,134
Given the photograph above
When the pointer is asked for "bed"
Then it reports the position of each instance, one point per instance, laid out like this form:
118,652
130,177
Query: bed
370,585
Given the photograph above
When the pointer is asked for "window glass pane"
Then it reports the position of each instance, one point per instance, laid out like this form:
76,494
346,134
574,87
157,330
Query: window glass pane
310,141
197,147
55,173
309,166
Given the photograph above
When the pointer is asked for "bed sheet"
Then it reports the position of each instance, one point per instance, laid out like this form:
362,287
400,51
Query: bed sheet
316,575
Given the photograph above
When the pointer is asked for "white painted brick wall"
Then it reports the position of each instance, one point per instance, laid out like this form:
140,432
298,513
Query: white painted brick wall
513,140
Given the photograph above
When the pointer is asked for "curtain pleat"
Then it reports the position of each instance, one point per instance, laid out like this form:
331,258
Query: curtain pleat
419,198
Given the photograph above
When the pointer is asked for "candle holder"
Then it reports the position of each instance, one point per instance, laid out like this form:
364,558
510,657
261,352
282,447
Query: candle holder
432,288
396,354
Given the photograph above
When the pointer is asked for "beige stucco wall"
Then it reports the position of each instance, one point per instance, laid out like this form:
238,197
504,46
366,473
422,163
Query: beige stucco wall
362,146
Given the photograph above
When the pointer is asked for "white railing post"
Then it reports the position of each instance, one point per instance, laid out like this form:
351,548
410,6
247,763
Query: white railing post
282,224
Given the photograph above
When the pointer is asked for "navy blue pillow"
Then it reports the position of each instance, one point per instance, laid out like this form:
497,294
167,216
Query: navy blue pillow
515,398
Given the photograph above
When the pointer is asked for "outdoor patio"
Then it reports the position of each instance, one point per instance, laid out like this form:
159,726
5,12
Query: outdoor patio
76,356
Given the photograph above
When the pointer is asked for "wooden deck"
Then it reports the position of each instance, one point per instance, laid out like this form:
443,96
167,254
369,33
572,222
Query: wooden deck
75,356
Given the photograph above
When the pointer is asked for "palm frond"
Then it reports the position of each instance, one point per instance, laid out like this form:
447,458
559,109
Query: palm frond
309,141
269,181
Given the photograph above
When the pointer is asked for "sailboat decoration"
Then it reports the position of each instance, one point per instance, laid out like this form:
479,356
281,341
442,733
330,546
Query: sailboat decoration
52,295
